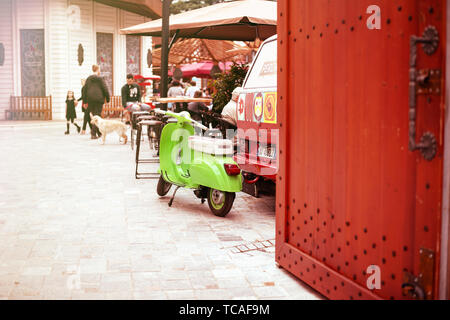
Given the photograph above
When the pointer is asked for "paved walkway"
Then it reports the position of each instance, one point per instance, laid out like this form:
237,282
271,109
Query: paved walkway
75,224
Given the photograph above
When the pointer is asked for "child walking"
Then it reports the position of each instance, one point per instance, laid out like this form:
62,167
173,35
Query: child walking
71,115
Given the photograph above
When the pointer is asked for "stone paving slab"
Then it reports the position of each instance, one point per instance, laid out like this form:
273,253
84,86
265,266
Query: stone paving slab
75,224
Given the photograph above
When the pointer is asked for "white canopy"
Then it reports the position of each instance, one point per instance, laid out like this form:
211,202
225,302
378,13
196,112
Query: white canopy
244,20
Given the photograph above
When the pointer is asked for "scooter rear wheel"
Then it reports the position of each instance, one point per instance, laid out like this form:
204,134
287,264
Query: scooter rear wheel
220,202
163,187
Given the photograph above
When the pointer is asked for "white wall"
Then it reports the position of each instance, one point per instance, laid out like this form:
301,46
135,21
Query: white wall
62,38
146,44
130,19
81,34
6,71
23,14
111,20
57,65
30,14
27,14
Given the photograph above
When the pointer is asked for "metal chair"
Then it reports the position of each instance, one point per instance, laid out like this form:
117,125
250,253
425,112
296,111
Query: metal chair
134,125
154,127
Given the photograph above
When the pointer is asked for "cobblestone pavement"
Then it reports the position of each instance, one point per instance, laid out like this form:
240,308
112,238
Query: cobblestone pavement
75,224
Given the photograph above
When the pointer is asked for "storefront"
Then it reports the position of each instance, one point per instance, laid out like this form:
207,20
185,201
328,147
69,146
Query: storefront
48,46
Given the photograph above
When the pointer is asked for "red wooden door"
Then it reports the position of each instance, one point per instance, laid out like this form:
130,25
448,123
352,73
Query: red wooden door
350,192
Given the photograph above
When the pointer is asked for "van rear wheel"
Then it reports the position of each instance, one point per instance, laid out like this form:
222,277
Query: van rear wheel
163,187
220,202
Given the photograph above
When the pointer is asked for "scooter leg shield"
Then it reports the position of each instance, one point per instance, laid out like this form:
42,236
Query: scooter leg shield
209,171
176,156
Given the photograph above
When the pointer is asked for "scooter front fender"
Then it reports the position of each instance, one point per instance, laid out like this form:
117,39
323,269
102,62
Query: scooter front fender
174,138
209,171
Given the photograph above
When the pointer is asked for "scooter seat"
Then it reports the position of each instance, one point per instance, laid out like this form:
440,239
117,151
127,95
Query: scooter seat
211,146
171,120
146,117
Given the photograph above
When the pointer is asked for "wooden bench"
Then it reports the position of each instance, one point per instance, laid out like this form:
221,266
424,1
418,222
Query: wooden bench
22,108
113,109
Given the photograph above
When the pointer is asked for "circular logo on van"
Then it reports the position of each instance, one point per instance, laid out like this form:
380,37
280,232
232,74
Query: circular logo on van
241,108
258,107
270,107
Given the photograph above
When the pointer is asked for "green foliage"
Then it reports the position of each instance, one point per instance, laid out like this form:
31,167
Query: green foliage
226,83
187,5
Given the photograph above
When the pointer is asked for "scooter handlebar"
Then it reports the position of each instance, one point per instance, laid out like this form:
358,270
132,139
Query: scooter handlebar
179,115
158,110
198,124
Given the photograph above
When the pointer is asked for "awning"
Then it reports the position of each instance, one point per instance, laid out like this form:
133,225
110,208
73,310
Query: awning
147,8
244,20
199,50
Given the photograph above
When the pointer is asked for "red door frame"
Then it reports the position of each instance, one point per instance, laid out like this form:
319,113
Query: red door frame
338,212
444,286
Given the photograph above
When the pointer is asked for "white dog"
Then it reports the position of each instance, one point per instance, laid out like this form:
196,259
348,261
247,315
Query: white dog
108,126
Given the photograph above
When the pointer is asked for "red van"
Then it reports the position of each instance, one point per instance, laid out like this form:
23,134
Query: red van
257,117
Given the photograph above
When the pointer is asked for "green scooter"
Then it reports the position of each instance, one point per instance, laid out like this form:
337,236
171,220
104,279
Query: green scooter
199,163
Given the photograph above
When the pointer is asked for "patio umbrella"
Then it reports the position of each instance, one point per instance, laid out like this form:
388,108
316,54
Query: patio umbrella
202,69
144,81
244,20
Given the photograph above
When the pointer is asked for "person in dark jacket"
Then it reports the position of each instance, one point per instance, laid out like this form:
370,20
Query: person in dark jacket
131,98
87,117
94,94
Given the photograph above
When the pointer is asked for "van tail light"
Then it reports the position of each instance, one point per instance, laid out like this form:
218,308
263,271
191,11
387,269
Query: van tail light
232,169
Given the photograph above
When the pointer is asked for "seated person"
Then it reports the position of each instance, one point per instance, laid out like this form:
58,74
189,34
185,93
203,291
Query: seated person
190,92
176,90
156,91
195,107
131,98
229,112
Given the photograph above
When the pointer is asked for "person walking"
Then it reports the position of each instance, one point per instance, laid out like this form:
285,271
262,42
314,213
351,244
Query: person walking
71,114
86,117
95,93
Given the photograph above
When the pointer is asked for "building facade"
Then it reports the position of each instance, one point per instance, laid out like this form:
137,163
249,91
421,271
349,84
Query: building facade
48,46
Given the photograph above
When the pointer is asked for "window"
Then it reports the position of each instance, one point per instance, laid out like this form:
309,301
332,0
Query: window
263,73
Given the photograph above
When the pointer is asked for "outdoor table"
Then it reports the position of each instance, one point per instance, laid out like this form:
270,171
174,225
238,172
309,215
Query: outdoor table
183,99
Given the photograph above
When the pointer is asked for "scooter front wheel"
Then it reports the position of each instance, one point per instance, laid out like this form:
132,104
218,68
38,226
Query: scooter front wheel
220,202
163,187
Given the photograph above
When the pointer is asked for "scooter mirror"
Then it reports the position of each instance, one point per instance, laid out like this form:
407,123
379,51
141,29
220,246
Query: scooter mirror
183,114
198,124
187,116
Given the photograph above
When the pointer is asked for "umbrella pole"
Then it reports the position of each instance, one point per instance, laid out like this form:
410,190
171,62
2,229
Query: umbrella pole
165,48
